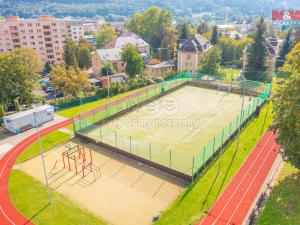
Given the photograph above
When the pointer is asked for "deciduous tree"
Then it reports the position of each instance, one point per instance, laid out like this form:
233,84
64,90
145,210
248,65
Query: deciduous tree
133,60
70,81
69,55
84,57
107,69
210,61
18,75
105,35
287,109
150,24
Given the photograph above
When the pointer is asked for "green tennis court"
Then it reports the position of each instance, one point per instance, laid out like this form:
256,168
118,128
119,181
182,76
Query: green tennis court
174,128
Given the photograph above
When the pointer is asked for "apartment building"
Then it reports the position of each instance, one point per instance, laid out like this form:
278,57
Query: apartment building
46,35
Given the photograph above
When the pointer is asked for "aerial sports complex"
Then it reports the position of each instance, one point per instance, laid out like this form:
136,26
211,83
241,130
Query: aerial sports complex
147,146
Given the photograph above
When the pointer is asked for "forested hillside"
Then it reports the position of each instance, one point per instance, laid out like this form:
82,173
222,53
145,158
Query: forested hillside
118,10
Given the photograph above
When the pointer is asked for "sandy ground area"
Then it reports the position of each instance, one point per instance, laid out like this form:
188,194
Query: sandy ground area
117,189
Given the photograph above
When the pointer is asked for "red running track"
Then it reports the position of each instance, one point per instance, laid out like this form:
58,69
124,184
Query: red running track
234,203
8,214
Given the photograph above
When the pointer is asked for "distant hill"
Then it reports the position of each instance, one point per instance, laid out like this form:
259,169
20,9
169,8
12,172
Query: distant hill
118,10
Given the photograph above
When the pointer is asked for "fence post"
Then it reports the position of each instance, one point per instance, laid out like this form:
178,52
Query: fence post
116,139
203,156
150,151
221,149
214,145
170,159
193,168
130,143
100,133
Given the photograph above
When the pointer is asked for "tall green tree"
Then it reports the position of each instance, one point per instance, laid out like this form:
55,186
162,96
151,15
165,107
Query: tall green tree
287,110
210,62
150,24
107,68
184,30
71,81
105,35
214,36
232,51
84,57
257,54
18,76
133,60
285,49
203,28
70,52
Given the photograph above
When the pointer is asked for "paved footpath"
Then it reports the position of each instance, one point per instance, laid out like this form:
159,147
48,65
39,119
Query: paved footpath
233,205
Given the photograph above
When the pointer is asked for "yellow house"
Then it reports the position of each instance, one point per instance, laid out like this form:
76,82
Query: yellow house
112,55
189,52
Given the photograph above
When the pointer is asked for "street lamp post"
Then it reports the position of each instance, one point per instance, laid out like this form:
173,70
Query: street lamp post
42,156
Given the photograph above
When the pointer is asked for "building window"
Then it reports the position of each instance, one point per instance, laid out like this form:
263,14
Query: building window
38,30
188,57
31,37
29,24
40,37
38,24
30,31
24,43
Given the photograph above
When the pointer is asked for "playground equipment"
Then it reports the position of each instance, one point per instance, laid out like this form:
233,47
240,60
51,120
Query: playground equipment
81,157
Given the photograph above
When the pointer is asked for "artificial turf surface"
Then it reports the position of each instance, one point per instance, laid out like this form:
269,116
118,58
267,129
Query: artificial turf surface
193,203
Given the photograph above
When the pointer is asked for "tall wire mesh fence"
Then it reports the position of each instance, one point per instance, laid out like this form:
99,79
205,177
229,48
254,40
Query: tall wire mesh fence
90,123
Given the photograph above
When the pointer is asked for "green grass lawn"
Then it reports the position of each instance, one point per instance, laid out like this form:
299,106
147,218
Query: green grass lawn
74,111
283,206
191,205
2,136
229,72
49,141
30,197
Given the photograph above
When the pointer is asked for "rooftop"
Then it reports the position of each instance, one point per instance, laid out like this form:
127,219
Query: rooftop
195,43
28,112
110,54
126,38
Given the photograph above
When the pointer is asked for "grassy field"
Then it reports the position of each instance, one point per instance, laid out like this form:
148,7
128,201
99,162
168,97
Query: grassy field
49,141
229,72
74,111
32,202
283,206
191,206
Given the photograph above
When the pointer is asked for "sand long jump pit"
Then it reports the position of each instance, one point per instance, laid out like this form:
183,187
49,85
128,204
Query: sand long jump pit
115,188
172,129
